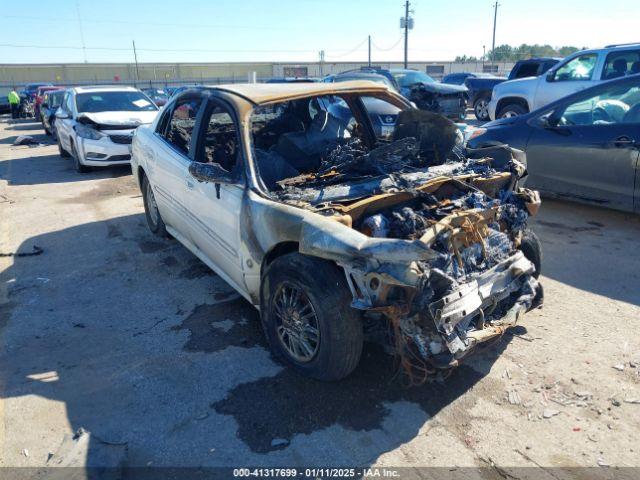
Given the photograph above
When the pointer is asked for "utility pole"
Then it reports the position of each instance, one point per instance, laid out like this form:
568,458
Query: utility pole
493,44
406,34
484,55
84,48
135,56
369,51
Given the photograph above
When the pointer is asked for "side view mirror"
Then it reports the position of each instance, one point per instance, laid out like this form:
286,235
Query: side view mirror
62,114
211,173
551,76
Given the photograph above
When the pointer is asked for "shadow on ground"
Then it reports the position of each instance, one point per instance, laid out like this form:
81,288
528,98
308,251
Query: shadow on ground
51,168
144,349
581,243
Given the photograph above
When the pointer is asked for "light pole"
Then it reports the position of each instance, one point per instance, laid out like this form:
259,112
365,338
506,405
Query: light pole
135,56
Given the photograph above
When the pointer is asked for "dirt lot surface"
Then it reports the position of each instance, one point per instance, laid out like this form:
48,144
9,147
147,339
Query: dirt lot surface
134,340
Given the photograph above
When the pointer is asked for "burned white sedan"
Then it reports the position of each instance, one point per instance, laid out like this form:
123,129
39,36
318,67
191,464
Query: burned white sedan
337,235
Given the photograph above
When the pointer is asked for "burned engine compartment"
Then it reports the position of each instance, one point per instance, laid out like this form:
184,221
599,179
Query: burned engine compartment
462,213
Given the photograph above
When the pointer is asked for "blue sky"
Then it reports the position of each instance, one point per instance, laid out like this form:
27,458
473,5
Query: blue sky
257,30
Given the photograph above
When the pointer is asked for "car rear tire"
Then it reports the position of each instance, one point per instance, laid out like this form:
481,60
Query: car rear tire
80,168
61,150
481,109
532,249
154,219
308,319
511,110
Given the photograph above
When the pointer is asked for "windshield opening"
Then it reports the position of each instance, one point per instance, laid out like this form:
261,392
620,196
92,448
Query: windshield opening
406,78
113,102
304,148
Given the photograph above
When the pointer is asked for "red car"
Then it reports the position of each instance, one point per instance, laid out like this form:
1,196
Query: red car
40,95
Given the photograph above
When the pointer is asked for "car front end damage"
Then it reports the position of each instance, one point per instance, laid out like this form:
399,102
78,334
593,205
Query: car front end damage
451,104
453,277
431,236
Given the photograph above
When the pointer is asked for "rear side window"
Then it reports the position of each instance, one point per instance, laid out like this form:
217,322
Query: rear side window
619,64
181,124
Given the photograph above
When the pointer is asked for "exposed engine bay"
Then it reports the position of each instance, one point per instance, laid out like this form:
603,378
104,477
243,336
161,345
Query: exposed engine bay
462,276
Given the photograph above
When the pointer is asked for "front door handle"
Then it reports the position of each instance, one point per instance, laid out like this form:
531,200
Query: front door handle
189,183
623,142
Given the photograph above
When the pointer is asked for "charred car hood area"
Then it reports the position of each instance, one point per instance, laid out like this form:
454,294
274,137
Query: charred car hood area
428,233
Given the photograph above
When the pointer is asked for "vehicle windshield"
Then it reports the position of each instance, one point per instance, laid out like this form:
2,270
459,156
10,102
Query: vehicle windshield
406,78
113,102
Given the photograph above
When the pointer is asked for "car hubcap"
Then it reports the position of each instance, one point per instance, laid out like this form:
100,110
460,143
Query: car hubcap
296,323
152,206
482,109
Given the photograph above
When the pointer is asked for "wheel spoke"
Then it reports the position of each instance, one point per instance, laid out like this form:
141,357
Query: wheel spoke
296,322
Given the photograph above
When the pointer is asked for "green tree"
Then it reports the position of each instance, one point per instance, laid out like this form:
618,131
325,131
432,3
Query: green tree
508,53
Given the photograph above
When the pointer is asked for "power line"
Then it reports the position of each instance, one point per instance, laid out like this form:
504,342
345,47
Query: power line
154,24
71,47
390,48
349,52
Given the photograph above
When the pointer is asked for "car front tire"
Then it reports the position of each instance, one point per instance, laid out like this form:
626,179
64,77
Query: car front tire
532,249
511,110
308,318
80,168
61,150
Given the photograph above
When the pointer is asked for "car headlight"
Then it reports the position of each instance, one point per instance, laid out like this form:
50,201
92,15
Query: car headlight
87,132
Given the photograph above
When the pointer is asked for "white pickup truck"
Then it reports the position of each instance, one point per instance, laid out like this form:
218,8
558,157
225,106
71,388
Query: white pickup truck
576,72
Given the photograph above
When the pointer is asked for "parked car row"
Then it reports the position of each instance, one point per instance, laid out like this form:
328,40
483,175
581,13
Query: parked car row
481,86
350,179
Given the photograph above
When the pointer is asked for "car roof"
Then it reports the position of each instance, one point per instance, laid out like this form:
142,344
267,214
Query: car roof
260,93
102,88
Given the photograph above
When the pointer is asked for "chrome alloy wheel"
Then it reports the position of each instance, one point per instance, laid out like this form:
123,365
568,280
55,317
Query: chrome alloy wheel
296,323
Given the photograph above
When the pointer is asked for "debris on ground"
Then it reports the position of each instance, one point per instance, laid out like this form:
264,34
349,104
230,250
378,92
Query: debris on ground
25,140
279,442
619,367
549,412
514,397
82,449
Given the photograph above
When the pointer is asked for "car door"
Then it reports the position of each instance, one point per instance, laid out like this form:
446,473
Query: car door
572,76
169,160
587,148
216,208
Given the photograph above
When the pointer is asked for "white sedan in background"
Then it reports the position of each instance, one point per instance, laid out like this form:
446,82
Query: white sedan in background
95,124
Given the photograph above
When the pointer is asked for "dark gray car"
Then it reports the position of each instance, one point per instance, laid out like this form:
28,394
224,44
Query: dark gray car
584,147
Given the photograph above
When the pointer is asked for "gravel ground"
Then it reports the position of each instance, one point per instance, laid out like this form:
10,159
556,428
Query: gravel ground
136,341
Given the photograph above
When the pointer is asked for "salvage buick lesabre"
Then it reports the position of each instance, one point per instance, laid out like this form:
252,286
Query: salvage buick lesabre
337,236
